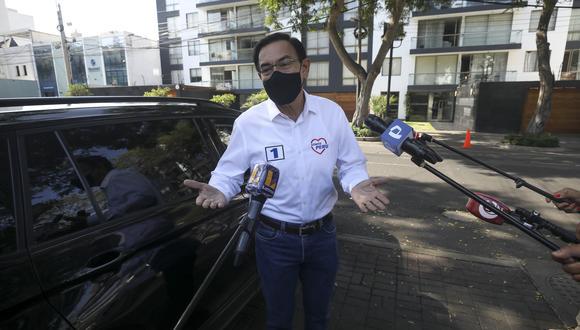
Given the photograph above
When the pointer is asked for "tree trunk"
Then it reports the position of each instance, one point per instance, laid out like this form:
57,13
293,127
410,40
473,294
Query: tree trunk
544,104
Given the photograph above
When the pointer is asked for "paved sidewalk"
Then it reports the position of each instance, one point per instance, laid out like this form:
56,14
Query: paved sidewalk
380,286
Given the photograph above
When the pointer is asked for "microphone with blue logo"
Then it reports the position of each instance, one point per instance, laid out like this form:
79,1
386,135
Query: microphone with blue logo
399,137
261,186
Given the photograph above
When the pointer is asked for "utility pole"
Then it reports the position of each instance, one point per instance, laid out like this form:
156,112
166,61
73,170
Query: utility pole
64,45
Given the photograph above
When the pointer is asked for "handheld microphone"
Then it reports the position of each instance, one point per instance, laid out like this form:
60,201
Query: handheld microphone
484,213
261,186
399,137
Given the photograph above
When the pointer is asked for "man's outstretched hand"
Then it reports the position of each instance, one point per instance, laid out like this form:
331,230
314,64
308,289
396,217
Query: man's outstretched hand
368,197
209,197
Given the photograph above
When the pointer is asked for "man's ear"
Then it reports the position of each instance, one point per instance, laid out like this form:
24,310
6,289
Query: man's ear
305,68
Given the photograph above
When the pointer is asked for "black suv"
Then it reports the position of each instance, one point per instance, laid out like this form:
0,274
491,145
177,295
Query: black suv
97,230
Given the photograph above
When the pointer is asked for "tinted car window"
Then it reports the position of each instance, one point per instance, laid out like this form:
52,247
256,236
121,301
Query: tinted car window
158,154
7,222
59,203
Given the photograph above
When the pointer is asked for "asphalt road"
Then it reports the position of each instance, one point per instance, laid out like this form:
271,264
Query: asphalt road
428,213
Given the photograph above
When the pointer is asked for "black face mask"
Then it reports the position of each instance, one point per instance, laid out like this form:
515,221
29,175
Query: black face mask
283,88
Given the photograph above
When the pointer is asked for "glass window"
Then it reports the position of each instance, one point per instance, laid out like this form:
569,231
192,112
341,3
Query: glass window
348,78
248,77
59,203
175,55
195,75
396,66
317,42
535,20
115,67
318,75
176,77
574,29
193,47
172,27
192,20
531,62
351,43
351,7
171,5
7,221
246,46
139,165
249,16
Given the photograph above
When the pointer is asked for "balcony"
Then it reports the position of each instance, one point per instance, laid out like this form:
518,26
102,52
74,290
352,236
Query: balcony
466,42
456,78
256,23
240,55
207,3
460,6
570,75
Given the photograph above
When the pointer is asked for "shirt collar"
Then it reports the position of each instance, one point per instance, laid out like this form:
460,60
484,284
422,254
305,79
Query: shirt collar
273,110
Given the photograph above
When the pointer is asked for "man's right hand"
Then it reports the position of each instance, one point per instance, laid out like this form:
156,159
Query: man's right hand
209,197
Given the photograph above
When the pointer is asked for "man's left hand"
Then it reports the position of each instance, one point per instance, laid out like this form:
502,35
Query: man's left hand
368,197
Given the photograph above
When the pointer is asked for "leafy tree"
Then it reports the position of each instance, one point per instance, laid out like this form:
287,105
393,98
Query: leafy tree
313,11
159,91
78,90
224,99
544,104
379,104
254,99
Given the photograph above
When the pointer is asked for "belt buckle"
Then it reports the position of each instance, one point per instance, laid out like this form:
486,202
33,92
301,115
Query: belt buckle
302,228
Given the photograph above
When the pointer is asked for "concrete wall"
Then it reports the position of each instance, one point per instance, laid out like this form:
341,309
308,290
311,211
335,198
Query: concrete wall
10,88
143,62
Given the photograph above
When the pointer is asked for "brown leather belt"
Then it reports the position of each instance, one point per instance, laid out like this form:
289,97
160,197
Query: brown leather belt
291,228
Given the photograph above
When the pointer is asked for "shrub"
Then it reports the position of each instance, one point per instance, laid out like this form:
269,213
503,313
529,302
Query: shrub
224,99
159,91
78,90
379,104
363,131
254,99
542,140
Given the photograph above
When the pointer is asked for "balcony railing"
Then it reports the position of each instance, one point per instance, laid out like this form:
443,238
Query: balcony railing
456,78
256,21
573,36
570,75
463,4
229,55
468,39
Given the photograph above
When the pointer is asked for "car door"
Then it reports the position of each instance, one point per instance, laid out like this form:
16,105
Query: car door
22,305
105,264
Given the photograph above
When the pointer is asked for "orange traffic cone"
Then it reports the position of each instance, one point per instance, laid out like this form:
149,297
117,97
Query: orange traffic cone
467,143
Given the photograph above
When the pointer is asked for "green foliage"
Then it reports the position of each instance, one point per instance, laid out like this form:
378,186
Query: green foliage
542,140
379,104
254,99
224,99
78,90
159,91
362,131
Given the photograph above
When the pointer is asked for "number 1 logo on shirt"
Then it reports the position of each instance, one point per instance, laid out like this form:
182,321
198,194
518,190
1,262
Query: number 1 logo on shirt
275,153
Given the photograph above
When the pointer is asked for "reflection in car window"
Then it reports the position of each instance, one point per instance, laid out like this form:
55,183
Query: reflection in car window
223,127
7,222
163,152
59,203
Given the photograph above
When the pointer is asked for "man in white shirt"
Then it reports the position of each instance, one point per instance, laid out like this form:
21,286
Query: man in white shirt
306,137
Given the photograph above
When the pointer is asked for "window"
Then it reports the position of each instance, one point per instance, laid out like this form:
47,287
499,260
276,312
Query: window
246,46
317,42
7,221
248,77
351,43
195,75
351,10
24,70
172,27
318,75
192,20
115,67
348,78
531,62
435,70
17,71
176,77
570,70
220,20
574,29
535,19
249,16
488,30
147,160
396,66
439,33
175,55
171,5
221,49
193,47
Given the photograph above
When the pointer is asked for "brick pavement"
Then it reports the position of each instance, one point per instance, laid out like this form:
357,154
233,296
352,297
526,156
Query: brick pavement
380,286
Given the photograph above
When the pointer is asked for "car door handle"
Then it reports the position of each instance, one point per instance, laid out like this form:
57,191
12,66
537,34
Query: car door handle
104,259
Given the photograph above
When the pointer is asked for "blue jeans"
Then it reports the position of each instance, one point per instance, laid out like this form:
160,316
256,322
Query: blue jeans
282,259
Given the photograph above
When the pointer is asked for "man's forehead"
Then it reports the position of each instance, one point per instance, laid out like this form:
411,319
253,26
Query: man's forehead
276,51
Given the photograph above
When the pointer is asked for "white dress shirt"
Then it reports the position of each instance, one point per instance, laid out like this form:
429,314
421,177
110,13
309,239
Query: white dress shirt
306,152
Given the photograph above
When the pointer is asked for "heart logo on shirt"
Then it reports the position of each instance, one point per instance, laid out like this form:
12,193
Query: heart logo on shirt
319,145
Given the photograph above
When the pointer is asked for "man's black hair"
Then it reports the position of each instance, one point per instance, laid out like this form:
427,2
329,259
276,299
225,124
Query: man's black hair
297,44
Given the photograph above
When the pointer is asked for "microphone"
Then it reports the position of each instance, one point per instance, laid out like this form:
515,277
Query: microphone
484,213
399,137
261,186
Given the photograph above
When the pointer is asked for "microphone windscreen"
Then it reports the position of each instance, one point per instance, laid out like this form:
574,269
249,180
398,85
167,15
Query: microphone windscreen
376,124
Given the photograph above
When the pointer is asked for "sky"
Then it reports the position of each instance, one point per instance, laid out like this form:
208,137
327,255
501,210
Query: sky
91,17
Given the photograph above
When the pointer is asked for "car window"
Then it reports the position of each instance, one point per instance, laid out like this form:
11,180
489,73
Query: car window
223,128
148,159
59,204
7,222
